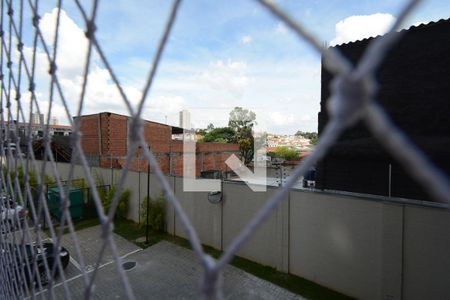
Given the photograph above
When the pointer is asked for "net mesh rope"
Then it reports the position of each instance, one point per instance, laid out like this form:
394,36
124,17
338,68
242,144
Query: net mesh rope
352,100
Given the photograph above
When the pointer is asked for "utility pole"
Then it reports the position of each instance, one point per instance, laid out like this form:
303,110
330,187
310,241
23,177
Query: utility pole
148,200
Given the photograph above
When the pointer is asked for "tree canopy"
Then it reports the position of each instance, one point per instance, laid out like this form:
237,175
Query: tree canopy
239,131
203,132
312,136
241,121
220,135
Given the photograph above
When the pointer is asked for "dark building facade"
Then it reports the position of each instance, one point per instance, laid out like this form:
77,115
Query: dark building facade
414,89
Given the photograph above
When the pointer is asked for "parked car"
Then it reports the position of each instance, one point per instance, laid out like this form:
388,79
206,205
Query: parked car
28,254
11,213
309,181
10,147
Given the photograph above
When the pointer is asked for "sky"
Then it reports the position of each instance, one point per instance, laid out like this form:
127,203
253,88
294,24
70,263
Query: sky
220,54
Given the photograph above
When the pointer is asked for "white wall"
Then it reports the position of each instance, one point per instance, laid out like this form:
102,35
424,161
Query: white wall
239,206
426,253
205,217
337,242
365,248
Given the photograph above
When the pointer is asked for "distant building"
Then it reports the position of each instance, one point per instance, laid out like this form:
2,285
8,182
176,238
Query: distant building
414,90
185,119
37,131
62,130
272,143
37,119
292,141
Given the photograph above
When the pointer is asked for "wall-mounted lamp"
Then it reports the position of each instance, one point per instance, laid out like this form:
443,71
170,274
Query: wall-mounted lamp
215,197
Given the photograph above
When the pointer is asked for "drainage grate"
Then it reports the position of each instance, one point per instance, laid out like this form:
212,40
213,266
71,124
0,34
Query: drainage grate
127,266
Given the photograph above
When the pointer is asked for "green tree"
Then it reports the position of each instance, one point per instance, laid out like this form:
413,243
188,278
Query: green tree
209,127
241,121
246,148
220,135
201,131
245,140
312,136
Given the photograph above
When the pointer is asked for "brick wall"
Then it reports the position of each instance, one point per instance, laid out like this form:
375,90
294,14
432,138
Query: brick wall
217,147
90,134
158,136
110,139
117,133
169,153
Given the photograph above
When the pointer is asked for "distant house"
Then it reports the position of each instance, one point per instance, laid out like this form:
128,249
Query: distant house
16,132
414,89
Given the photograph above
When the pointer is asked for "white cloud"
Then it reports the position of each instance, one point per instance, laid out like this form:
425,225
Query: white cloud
209,90
57,109
306,118
289,87
230,77
359,27
165,104
282,119
164,108
246,39
72,43
101,93
281,28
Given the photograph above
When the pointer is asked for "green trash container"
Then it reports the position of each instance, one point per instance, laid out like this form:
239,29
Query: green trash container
76,203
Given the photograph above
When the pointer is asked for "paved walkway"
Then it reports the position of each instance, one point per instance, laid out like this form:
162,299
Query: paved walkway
163,271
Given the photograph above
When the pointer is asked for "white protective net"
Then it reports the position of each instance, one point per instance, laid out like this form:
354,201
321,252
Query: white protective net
24,273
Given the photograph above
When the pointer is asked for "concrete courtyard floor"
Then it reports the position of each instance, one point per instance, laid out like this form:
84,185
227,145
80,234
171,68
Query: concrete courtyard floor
163,271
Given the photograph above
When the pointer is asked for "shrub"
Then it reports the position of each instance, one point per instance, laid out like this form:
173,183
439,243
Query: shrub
285,153
79,183
106,195
157,212
124,199
32,180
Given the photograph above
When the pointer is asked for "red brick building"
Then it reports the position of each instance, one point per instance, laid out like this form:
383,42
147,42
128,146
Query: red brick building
105,143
